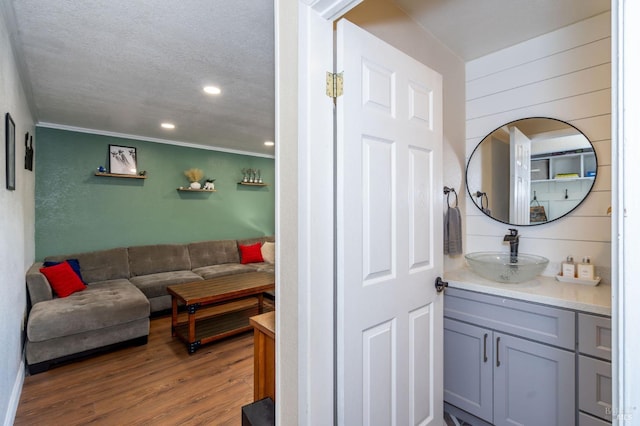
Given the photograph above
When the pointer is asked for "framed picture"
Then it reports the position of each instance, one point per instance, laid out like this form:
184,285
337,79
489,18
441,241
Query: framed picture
10,147
123,160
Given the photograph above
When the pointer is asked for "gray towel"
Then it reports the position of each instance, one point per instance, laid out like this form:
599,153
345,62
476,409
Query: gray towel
452,231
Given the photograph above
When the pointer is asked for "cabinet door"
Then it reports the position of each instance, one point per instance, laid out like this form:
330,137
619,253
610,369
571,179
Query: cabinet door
595,387
594,336
534,384
468,382
587,420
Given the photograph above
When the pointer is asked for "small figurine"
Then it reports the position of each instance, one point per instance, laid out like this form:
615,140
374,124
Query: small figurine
208,184
101,169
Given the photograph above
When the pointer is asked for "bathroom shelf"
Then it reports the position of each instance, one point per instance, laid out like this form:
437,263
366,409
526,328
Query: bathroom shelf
547,167
252,184
195,190
118,175
564,179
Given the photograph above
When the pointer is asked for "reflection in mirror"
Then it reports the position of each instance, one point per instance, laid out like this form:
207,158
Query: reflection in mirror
531,171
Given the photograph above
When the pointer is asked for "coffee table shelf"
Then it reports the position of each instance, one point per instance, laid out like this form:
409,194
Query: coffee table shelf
218,307
230,319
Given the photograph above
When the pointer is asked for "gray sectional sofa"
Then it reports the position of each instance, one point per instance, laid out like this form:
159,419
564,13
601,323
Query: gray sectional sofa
124,285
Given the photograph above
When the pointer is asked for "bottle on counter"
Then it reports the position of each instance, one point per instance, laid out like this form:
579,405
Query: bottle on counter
569,268
586,270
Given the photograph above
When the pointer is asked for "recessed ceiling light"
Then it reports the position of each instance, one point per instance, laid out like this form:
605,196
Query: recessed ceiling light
168,126
212,90
269,143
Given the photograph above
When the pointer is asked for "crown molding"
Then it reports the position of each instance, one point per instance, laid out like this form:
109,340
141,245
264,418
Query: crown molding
149,139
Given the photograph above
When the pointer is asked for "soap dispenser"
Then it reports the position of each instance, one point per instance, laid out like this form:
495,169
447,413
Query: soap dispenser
569,268
586,270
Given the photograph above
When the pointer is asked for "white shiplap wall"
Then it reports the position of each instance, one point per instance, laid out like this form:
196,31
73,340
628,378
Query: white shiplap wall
565,74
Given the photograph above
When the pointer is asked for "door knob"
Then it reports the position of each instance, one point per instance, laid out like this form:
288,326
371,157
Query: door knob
440,285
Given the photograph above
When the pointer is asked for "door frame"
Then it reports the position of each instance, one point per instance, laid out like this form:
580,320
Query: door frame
625,223
305,193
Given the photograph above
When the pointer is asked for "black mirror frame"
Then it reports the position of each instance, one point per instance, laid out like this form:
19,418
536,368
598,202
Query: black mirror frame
478,194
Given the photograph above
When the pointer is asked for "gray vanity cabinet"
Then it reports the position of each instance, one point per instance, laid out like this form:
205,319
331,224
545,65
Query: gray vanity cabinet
533,384
468,368
594,369
507,361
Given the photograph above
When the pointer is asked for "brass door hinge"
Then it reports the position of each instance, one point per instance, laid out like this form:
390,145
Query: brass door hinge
334,84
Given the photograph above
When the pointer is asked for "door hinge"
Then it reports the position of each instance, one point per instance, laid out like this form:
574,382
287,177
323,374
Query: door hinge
334,84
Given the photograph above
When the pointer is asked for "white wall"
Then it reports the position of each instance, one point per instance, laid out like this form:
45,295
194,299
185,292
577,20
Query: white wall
389,23
16,230
565,74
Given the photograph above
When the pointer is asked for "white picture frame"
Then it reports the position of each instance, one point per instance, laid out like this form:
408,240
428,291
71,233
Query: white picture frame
123,160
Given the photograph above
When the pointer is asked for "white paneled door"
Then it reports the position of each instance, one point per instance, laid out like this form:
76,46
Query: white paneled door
389,235
520,174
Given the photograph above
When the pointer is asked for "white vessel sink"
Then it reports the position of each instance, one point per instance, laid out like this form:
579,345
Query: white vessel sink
497,266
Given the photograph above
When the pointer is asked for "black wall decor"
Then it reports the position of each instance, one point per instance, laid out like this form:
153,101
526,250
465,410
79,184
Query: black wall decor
10,147
28,152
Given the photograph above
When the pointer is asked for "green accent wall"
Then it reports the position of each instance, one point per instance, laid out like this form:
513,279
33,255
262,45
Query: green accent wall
77,211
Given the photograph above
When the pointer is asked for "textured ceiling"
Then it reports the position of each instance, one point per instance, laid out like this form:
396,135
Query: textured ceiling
125,66
474,28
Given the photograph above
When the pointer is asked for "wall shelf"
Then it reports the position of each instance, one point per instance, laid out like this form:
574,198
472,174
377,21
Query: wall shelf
252,184
195,190
118,175
550,167
568,179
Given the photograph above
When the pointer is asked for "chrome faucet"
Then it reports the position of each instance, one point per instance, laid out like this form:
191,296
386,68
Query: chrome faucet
514,239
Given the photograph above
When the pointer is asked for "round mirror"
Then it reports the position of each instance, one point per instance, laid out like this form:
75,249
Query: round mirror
531,171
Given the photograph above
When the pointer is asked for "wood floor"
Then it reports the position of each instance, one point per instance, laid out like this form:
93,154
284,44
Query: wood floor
154,384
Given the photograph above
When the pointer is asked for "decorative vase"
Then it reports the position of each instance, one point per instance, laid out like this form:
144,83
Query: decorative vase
194,185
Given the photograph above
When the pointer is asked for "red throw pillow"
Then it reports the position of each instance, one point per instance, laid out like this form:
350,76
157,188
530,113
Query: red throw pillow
63,279
251,254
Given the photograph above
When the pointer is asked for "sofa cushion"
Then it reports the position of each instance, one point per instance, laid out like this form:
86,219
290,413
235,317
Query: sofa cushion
154,285
205,253
63,279
264,267
268,250
213,271
74,263
101,305
249,241
37,284
101,265
251,253
145,260
37,352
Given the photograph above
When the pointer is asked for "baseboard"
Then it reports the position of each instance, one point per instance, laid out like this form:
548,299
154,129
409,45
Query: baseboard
12,408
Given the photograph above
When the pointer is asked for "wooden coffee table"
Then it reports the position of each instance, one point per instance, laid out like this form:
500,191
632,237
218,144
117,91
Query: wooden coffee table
218,307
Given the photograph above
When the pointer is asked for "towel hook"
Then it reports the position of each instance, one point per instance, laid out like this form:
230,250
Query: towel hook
483,197
447,191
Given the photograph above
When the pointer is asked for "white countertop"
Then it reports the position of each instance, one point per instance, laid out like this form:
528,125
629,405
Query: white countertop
546,290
